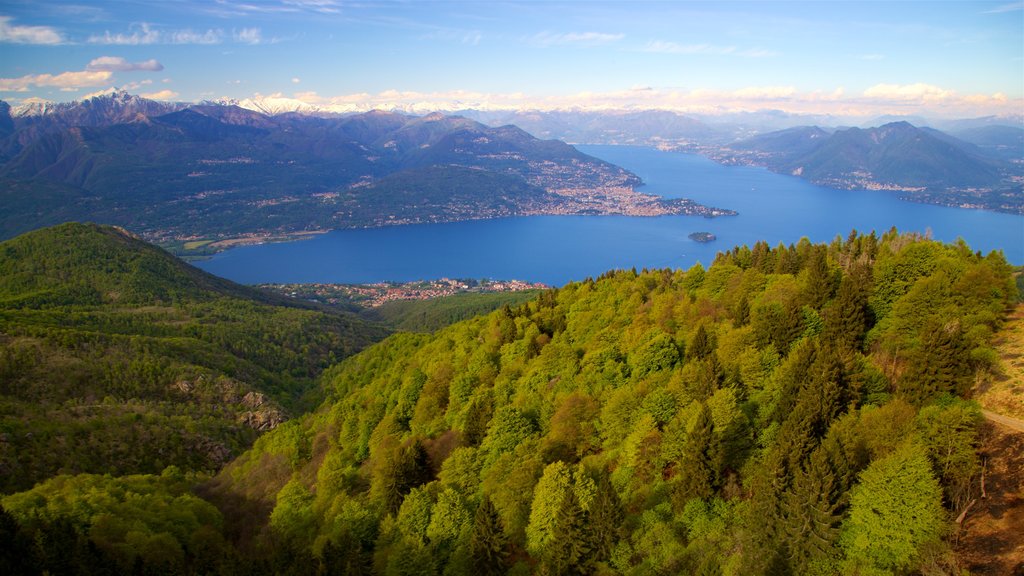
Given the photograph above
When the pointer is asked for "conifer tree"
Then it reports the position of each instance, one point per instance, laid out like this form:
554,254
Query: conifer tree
810,520
488,544
819,283
605,517
569,553
787,261
846,319
702,345
942,365
700,465
742,314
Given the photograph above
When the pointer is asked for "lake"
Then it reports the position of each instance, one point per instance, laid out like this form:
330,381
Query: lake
558,249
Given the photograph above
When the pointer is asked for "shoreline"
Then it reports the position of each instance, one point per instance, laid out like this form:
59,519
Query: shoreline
206,248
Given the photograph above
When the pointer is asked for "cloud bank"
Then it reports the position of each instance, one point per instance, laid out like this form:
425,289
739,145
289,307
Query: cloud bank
66,81
144,34
119,64
877,100
28,34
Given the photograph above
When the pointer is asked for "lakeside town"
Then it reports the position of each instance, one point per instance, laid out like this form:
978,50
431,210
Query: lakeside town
379,293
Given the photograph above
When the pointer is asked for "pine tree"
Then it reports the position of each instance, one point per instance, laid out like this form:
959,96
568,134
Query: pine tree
763,258
702,345
846,319
810,513
787,261
700,465
742,313
820,282
942,365
488,544
569,551
344,558
606,517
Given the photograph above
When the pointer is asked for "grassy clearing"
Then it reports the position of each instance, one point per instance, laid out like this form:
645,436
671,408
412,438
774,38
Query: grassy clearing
1003,392
196,244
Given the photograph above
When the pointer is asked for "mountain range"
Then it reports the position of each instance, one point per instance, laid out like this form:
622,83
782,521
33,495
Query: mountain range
922,163
217,170
273,167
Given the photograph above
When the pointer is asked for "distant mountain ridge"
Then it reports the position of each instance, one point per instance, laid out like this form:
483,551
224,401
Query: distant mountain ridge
923,163
218,169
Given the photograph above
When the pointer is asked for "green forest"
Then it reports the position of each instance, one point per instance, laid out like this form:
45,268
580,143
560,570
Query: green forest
801,409
115,357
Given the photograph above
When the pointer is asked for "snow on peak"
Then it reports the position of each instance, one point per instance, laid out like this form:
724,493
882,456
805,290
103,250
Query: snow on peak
273,105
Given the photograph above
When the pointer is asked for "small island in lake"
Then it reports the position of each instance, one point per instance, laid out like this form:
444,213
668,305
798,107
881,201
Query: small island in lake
703,237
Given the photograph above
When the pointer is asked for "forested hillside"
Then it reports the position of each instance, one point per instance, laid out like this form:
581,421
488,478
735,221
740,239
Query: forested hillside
115,357
785,410
788,410
431,314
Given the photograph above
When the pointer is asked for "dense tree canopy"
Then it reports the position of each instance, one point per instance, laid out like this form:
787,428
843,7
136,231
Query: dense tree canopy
776,412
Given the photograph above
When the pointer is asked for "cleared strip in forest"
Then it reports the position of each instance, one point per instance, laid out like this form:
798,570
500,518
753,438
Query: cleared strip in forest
1005,421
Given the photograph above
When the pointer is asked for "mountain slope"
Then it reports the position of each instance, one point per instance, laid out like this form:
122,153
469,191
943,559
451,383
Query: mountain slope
220,170
128,360
682,420
646,127
896,153
897,156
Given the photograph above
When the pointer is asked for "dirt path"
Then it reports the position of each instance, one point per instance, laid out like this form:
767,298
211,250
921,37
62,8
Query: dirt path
1005,421
991,539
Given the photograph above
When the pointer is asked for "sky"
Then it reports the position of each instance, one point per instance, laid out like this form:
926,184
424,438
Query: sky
867,58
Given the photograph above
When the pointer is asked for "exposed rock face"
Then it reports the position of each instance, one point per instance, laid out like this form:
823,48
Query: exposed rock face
254,400
255,409
262,419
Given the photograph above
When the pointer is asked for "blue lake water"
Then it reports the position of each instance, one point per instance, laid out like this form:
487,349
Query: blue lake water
557,249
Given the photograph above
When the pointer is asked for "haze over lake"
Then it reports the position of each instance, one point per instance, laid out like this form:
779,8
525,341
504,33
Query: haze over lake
558,249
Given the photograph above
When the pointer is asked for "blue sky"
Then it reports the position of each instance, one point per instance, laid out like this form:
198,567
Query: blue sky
846,58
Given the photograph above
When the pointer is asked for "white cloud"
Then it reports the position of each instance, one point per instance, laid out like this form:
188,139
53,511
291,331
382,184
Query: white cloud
765,92
234,8
28,34
908,92
878,100
65,81
193,37
248,36
144,33
872,57
322,6
296,80
161,95
119,64
574,38
133,86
